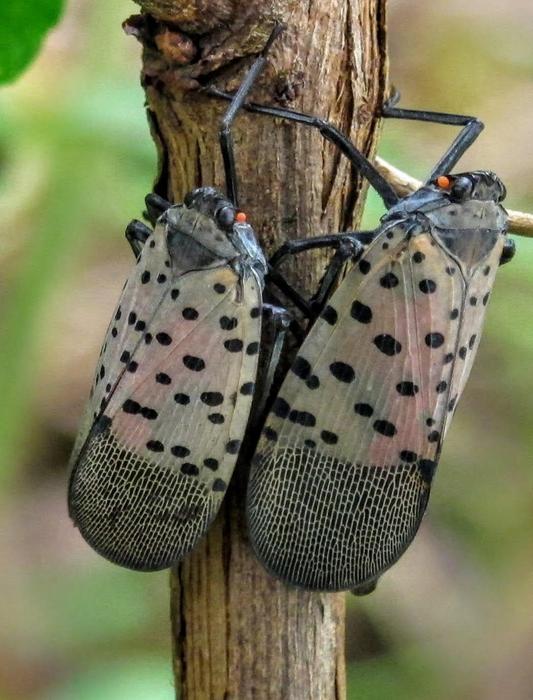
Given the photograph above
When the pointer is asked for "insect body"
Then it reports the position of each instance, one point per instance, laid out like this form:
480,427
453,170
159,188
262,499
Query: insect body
176,376
173,387
344,467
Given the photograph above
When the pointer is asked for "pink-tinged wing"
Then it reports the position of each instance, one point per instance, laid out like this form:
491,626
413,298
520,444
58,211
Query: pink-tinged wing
476,298
153,470
139,301
344,466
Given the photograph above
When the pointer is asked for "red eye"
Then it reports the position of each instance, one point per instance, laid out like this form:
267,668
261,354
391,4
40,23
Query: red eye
444,181
241,217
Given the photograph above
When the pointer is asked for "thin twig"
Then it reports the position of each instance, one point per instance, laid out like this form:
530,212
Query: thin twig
520,223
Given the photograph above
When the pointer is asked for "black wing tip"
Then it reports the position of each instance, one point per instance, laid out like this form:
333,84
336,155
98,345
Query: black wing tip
311,585
142,550
137,514
317,523
365,588
135,561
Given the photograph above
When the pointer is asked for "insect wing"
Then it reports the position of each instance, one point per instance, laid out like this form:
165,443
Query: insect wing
152,472
139,301
472,315
343,469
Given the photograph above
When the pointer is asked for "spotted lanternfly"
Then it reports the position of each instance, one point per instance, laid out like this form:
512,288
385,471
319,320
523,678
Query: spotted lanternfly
175,378
343,470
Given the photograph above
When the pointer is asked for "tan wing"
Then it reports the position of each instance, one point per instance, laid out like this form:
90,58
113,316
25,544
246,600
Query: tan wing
153,471
343,470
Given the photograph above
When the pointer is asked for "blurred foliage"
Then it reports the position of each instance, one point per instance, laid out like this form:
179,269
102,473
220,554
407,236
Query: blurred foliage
453,618
23,26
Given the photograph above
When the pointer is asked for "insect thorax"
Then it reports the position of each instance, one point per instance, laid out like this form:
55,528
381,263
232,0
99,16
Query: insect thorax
466,219
203,233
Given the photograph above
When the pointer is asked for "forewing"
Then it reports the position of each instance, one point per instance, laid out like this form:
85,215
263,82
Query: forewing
343,469
154,468
476,298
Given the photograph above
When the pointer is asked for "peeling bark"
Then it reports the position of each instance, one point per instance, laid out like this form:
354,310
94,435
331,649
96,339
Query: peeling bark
238,633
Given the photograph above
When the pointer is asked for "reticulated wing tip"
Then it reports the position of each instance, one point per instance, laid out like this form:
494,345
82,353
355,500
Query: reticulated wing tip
326,525
135,513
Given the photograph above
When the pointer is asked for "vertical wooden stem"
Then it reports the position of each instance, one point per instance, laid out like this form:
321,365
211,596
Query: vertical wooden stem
237,632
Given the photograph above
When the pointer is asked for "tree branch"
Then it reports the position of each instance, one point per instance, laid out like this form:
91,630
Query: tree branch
239,633
520,223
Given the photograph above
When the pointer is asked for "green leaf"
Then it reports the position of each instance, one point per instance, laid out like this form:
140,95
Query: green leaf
23,25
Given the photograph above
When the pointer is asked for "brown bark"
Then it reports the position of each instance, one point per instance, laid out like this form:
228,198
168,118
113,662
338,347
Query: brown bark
238,633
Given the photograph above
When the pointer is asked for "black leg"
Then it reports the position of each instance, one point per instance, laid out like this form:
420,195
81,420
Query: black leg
348,245
349,249
297,299
136,234
237,101
472,127
329,132
155,206
335,240
509,249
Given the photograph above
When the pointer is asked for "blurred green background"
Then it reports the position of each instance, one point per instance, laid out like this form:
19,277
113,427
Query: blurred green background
455,617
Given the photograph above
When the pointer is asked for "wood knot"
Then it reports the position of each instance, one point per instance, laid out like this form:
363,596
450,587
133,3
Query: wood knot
175,46
364,113
288,86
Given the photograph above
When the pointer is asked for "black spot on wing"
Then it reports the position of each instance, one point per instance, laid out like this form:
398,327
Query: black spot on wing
313,382
163,338
189,313
407,388
363,409
195,364
360,312
427,286
155,446
329,315
280,407
163,378
302,418
211,398
329,438
342,371
389,281
385,427
216,418
233,446
180,451
233,345
434,340
301,367
228,323
387,344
